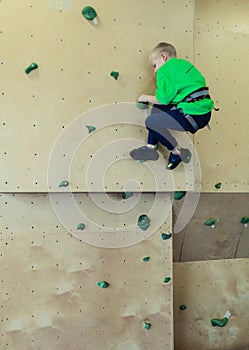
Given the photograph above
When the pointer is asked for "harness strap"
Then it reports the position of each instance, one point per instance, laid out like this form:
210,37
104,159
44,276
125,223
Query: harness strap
197,95
191,120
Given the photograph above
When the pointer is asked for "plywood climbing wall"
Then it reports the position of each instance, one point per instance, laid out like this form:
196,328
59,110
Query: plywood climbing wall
221,45
208,290
75,59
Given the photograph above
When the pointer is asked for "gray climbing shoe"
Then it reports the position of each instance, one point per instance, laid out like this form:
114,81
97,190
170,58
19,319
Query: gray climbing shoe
144,153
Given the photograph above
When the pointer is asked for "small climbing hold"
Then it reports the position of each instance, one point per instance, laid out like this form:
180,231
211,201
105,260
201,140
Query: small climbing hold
182,307
143,222
143,105
166,236
147,325
80,227
221,322
90,128
179,195
166,279
218,185
244,221
146,258
31,67
210,222
90,14
126,195
64,183
114,75
103,284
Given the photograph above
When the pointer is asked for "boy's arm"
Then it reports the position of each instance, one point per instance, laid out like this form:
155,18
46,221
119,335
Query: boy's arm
149,98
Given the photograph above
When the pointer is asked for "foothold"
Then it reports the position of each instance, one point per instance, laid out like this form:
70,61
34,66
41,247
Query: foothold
210,222
166,279
114,75
244,221
179,195
143,105
31,67
90,128
143,222
126,195
166,236
147,325
90,14
80,227
182,307
64,183
103,284
221,322
218,185
146,258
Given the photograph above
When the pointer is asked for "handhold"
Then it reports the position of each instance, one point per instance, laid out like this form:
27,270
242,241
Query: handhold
218,185
244,221
146,258
166,279
147,325
80,227
31,67
90,128
210,222
182,307
179,195
114,75
143,222
126,195
166,236
143,105
221,322
103,284
90,14
64,183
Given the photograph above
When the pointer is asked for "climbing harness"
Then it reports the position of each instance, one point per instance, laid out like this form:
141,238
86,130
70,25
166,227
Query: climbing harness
197,95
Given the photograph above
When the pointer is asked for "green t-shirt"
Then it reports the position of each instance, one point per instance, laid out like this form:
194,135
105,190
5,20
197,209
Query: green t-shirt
178,78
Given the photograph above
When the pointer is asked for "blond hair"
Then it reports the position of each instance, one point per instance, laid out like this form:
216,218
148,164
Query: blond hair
164,48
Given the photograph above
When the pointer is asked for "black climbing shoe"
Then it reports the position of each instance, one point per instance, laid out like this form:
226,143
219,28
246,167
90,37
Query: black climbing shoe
174,159
144,153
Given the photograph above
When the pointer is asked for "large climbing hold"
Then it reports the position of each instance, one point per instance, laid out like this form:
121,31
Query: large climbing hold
90,14
31,67
166,236
64,183
103,284
147,325
143,222
179,195
90,128
143,105
114,75
80,226
216,322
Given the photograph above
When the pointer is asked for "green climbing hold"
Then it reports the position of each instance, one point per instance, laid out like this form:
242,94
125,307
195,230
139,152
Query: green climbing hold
218,185
89,13
166,279
143,222
90,128
166,236
146,258
80,227
64,183
126,195
147,325
219,322
114,75
244,220
182,307
179,195
143,105
103,284
210,222
31,67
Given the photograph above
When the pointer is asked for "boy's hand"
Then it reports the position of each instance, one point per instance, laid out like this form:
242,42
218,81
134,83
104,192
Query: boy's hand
143,98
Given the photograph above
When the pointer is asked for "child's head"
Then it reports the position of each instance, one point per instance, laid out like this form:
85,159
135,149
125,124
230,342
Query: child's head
161,53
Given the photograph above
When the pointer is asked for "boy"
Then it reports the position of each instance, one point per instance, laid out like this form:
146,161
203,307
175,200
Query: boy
181,103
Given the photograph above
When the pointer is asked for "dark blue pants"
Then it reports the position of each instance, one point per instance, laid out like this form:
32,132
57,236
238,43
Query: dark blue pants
163,117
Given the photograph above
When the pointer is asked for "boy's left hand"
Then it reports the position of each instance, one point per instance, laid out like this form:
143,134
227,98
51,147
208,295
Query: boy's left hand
143,98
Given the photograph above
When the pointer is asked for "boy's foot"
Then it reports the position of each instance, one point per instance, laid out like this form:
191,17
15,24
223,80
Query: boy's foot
174,159
144,153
